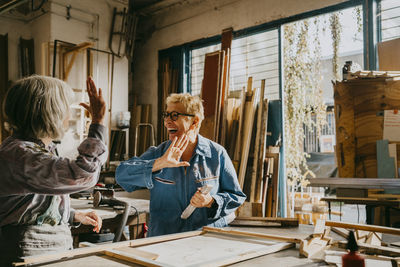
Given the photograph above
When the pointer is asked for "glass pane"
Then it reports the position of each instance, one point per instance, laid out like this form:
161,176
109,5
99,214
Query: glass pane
197,66
256,56
390,19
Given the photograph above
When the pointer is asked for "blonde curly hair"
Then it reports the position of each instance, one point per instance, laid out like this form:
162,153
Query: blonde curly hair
193,104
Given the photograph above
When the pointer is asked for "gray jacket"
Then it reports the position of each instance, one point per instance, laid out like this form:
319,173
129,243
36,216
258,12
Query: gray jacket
35,183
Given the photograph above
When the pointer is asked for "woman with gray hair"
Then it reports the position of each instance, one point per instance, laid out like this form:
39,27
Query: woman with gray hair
176,170
35,183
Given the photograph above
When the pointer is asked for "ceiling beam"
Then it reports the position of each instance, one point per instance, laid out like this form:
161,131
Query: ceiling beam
163,4
11,4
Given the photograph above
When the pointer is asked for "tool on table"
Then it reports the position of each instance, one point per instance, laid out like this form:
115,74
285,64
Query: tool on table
189,209
106,197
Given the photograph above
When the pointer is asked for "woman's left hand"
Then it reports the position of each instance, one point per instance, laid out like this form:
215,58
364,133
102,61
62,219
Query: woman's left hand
89,218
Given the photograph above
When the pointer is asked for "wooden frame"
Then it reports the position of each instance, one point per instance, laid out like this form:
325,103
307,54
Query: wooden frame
134,251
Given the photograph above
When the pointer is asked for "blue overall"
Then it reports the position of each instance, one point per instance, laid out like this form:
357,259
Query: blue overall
172,188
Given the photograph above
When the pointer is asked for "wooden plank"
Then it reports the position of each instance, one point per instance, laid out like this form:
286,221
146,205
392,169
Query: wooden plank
250,234
249,209
100,248
265,221
226,42
133,258
389,54
218,115
209,93
267,190
273,189
362,183
138,252
250,108
261,155
238,145
364,227
254,174
249,255
384,196
371,249
334,257
345,143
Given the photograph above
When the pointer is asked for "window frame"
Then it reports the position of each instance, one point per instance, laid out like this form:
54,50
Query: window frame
369,13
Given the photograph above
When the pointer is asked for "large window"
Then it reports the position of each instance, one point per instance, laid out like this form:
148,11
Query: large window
389,19
197,66
332,37
256,56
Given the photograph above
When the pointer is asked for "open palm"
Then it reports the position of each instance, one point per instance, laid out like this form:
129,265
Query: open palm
174,153
171,158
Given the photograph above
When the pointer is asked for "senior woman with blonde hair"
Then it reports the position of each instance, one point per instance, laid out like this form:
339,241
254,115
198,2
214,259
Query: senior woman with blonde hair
35,211
177,169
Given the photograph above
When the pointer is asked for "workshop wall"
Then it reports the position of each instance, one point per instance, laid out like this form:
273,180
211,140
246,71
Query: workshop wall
54,25
90,20
193,20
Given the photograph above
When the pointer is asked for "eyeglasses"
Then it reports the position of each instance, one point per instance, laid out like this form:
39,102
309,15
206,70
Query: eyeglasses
174,115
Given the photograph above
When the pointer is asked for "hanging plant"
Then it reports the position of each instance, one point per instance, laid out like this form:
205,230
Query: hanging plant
357,12
303,96
336,32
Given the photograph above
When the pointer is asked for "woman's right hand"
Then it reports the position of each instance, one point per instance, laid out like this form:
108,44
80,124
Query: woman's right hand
97,107
172,156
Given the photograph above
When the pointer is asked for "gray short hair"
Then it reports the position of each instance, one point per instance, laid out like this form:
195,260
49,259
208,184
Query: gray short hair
37,106
193,104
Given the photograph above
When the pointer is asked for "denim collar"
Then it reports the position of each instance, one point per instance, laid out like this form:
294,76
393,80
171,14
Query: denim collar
203,147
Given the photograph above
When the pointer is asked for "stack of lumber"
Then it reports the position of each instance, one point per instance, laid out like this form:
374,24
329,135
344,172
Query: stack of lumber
214,91
257,166
321,246
238,121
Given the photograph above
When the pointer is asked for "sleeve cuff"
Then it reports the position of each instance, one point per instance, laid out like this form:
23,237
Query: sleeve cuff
217,207
148,173
71,216
212,210
97,131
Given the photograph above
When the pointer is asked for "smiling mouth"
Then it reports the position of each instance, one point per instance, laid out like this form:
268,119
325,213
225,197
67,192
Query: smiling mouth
172,131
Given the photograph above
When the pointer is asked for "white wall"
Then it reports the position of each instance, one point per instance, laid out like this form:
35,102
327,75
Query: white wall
193,20
15,29
89,19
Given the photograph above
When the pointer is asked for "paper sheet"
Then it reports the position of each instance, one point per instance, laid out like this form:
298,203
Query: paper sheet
391,126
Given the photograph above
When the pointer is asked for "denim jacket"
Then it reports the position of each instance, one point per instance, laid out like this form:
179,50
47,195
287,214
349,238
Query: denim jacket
172,188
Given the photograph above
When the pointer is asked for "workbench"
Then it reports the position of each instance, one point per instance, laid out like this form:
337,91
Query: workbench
370,204
287,257
138,216
364,184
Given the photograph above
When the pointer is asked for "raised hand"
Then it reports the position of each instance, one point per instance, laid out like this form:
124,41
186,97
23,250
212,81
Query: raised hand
172,156
97,107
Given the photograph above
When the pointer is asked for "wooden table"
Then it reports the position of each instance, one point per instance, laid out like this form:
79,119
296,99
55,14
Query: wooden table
111,217
288,257
370,203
